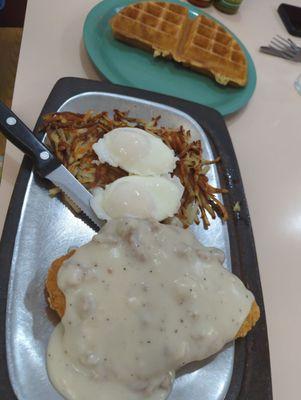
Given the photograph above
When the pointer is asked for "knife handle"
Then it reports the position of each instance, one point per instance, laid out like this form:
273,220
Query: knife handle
22,137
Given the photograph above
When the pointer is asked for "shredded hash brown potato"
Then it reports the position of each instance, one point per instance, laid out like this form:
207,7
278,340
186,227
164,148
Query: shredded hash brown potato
71,137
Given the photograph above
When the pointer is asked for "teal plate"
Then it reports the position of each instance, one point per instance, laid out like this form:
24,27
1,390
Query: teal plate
129,66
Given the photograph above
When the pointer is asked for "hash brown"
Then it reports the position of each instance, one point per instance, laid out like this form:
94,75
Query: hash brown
72,136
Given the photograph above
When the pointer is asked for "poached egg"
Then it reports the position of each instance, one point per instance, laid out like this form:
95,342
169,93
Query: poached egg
135,151
146,197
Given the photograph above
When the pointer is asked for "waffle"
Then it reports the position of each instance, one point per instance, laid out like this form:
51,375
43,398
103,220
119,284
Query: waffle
200,44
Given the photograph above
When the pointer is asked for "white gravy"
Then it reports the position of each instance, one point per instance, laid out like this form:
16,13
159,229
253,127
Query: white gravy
142,300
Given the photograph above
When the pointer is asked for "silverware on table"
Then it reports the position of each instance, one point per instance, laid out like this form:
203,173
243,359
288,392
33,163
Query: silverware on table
46,164
284,48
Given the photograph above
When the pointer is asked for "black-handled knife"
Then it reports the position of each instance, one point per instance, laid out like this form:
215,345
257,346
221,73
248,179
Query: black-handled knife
45,162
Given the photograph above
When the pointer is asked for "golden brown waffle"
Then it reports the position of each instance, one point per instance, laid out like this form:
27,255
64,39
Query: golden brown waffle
201,44
152,26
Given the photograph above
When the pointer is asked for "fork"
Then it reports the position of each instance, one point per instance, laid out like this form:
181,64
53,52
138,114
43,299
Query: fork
284,48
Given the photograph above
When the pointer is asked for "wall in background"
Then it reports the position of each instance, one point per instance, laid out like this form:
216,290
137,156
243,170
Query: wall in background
12,13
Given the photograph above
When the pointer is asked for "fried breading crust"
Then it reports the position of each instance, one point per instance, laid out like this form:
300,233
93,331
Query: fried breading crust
250,321
57,300
55,296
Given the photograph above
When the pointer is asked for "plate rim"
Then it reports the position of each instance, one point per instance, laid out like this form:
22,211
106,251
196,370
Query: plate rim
108,5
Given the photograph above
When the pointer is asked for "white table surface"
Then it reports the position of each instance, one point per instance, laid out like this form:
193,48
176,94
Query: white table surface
266,136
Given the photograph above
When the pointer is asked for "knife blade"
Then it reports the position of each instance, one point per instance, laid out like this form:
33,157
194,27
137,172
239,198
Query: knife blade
63,179
46,164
